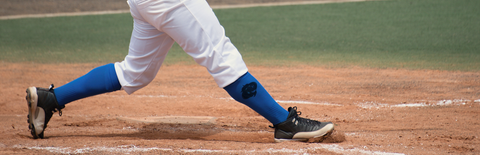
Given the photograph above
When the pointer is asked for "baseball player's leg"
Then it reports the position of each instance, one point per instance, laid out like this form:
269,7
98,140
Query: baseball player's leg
200,34
249,91
99,80
194,26
43,102
147,51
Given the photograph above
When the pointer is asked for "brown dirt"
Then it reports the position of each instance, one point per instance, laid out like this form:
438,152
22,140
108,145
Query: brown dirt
361,102
366,105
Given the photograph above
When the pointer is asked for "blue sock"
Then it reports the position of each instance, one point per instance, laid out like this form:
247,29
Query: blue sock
100,80
249,91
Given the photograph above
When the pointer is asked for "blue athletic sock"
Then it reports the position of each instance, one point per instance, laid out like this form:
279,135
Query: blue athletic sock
100,80
249,91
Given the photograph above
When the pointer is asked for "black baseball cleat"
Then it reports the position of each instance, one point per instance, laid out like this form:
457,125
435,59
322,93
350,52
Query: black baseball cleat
42,103
296,128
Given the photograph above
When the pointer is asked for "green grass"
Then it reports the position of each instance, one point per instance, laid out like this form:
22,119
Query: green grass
412,34
66,39
426,34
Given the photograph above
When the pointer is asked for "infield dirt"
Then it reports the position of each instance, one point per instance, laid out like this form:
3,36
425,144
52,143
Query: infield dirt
377,110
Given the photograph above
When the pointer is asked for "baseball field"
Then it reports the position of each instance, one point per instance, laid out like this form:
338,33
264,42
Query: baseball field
394,76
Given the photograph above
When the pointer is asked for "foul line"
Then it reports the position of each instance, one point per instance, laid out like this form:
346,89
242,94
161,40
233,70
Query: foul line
213,7
365,104
132,148
281,4
457,102
63,14
225,98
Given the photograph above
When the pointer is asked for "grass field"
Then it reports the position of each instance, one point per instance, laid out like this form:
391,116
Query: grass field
427,34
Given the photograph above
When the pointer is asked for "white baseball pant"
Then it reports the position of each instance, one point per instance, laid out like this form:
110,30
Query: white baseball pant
190,23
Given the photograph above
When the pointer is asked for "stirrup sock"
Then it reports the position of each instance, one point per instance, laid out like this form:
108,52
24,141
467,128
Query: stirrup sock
100,80
249,91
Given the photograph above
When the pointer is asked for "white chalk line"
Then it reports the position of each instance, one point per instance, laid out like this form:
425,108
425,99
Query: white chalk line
281,4
66,14
364,104
226,98
454,102
134,149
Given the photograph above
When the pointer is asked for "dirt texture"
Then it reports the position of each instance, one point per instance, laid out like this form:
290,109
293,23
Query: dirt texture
375,111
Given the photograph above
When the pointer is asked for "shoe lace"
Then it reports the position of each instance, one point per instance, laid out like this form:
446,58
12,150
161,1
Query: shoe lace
59,111
300,120
307,121
303,120
56,108
295,108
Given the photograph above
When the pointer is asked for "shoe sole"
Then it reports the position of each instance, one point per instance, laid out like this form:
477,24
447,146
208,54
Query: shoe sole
34,113
314,136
